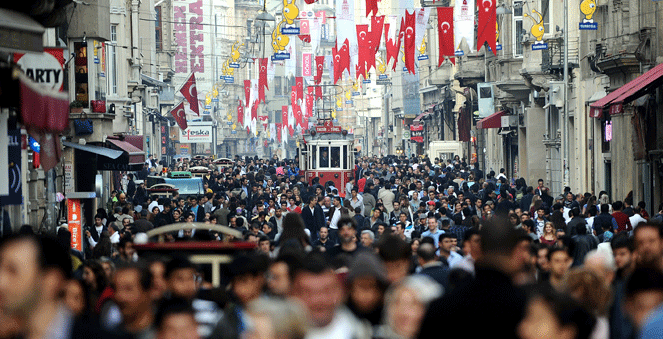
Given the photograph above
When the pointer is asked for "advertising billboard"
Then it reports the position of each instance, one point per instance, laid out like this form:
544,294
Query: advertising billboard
196,134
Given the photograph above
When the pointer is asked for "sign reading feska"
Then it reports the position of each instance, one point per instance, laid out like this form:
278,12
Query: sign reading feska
196,133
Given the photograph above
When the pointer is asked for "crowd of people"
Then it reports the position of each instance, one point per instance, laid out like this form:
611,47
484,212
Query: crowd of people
409,248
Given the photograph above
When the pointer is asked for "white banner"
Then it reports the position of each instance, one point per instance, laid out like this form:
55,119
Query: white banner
346,29
420,25
196,134
464,24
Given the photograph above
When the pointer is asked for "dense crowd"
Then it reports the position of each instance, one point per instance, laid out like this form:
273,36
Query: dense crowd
409,248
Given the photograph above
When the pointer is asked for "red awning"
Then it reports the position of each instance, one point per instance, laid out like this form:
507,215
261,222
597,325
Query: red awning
425,113
136,155
629,92
492,121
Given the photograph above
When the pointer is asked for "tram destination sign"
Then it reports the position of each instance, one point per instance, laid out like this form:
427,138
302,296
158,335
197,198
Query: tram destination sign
328,129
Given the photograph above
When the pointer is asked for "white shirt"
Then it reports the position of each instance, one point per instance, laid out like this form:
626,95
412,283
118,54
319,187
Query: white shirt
636,219
333,224
343,326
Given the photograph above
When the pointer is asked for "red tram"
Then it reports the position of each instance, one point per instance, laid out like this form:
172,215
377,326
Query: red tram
326,152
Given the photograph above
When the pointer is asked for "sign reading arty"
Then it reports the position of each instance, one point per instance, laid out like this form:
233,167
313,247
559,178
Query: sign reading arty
189,38
74,221
45,68
417,133
195,134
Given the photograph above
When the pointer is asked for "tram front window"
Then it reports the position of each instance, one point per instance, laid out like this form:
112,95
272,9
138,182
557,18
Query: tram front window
324,157
335,157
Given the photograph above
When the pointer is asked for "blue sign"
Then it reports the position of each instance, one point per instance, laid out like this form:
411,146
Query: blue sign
589,26
290,30
233,132
404,69
383,76
215,99
233,65
367,81
34,145
459,52
422,57
348,102
208,107
230,123
498,47
13,177
354,94
207,112
96,60
539,46
229,79
281,56
340,109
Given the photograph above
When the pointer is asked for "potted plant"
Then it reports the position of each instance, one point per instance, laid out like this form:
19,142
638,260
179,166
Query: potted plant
76,106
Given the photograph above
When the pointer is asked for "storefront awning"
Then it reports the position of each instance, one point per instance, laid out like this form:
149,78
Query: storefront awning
43,109
492,121
136,155
19,33
425,113
107,159
629,92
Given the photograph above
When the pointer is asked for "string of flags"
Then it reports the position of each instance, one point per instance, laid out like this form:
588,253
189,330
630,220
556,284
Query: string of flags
356,52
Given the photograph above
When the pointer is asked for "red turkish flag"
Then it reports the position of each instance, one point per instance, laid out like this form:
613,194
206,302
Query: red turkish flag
445,32
293,95
337,64
318,93
371,7
305,38
247,92
297,112
365,48
319,67
278,131
190,92
344,54
310,1
284,115
391,45
299,83
409,40
310,97
486,24
262,79
254,110
240,113
180,115
377,23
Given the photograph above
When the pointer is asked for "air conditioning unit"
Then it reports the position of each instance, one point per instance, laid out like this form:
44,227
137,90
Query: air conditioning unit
509,121
557,93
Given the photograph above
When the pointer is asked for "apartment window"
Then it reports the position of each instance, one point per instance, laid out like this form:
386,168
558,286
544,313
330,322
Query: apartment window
157,28
111,47
545,12
517,27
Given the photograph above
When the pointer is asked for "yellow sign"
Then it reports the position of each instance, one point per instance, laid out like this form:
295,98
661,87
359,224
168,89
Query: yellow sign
537,29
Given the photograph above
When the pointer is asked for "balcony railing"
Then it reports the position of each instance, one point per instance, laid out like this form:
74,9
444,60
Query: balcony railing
553,58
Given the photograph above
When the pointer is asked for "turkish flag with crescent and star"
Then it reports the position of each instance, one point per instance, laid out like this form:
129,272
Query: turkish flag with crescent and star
180,116
445,33
377,23
409,40
390,45
278,131
365,48
190,93
310,97
247,91
284,115
293,95
240,113
319,68
318,93
299,83
337,64
262,79
486,24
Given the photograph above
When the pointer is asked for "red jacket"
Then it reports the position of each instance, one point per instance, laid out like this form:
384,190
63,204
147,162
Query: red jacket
360,183
623,222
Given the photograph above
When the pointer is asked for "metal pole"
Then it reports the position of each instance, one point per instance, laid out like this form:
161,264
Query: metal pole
565,116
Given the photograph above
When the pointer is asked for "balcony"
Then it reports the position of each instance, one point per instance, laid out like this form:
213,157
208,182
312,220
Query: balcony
509,81
552,59
470,70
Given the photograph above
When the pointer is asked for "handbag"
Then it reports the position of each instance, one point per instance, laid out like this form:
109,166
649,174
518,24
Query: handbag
98,106
83,126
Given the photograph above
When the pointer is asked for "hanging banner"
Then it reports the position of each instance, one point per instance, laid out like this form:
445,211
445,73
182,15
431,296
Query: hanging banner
190,93
247,91
445,33
74,216
365,49
417,133
180,116
421,22
409,40
587,8
464,25
319,68
316,32
306,65
486,25
346,30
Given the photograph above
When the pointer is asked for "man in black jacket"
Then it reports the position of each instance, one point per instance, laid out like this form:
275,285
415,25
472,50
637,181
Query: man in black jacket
526,200
490,299
308,215
432,267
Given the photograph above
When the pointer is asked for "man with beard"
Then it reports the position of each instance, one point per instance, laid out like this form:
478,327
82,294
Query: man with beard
347,234
323,239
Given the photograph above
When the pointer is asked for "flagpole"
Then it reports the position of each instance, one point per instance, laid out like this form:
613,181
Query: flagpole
565,116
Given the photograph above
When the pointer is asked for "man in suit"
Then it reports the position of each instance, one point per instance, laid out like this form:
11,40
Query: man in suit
432,267
308,215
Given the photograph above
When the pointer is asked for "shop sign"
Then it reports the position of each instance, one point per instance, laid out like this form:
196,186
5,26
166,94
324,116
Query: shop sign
74,221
